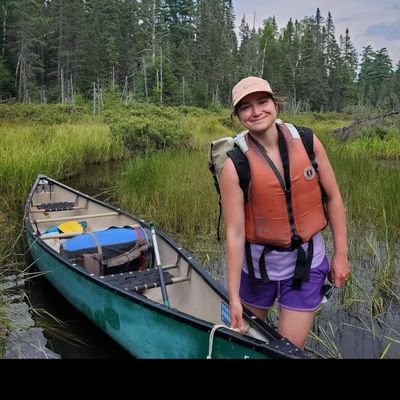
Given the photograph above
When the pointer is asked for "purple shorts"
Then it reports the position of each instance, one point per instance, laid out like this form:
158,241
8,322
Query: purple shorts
263,295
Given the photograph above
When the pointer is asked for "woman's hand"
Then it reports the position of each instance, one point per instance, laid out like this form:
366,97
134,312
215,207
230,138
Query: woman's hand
236,311
340,270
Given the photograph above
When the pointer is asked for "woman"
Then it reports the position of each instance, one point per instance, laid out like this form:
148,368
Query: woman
275,250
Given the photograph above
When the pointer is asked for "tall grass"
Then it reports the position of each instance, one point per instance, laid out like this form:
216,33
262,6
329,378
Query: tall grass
369,188
174,189
56,150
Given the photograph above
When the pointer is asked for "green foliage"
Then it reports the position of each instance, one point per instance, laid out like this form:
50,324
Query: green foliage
141,134
51,114
146,127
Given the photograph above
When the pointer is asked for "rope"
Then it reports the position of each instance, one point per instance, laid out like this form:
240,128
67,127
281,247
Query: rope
214,329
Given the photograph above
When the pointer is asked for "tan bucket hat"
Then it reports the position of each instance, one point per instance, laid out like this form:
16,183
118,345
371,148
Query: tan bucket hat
248,85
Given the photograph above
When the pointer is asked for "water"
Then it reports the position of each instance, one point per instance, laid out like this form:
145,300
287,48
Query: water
77,337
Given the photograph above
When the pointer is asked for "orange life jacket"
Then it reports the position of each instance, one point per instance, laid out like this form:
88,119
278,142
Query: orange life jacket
283,211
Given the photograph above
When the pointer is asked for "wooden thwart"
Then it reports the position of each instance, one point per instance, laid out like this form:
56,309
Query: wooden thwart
77,217
142,287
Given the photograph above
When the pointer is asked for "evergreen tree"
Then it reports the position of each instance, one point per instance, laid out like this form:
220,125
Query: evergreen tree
104,40
349,73
375,71
290,48
24,43
334,68
214,56
248,50
269,55
5,81
180,17
311,87
65,54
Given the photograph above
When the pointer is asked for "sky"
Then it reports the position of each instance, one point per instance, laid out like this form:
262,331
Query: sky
370,22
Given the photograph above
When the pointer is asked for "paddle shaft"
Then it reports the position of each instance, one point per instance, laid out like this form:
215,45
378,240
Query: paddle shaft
159,266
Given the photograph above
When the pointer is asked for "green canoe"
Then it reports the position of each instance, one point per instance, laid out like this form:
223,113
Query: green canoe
135,282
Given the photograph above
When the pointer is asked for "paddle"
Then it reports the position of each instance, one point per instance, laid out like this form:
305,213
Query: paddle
159,266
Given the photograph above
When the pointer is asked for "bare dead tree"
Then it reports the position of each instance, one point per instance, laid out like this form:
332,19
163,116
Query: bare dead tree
94,97
183,90
22,74
145,80
62,86
125,91
161,75
5,14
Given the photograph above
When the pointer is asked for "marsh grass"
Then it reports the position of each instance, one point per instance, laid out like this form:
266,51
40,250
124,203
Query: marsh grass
56,150
174,188
326,339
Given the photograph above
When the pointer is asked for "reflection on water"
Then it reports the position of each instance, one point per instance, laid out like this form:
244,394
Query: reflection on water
98,180
78,337
348,326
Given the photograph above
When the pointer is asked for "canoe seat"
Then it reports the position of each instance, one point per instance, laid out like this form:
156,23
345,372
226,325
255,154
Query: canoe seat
138,281
60,206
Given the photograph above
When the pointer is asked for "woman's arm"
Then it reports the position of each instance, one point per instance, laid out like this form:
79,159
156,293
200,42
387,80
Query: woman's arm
233,209
336,215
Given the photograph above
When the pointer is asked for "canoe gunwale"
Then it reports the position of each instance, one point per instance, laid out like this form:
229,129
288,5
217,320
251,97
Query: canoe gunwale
270,348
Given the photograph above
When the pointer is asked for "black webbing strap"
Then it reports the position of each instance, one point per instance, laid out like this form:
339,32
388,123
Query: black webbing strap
263,268
219,218
249,260
138,281
303,265
59,206
301,270
261,262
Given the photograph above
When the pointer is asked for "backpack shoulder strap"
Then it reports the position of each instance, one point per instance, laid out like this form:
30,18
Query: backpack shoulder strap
242,168
307,137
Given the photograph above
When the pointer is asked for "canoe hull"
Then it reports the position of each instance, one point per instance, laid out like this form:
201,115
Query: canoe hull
141,330
191,328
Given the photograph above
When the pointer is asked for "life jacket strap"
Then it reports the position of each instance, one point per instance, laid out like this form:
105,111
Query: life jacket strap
303,265
301,270
261,263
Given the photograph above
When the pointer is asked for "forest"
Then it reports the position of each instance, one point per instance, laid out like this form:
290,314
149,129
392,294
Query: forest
183,52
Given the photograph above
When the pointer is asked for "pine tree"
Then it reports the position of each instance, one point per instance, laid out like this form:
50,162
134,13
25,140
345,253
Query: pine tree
24,43
65,54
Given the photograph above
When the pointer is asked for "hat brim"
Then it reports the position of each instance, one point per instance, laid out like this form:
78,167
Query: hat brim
243,95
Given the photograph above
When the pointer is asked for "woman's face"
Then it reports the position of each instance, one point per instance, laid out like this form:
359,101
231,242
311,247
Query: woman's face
257,111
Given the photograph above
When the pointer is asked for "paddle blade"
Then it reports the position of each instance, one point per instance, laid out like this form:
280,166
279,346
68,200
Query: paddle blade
70,226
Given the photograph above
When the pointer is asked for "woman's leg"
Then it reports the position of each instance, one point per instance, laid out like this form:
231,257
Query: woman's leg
295,325
259,312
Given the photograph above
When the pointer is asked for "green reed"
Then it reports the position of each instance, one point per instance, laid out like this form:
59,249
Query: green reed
56,150
174,189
